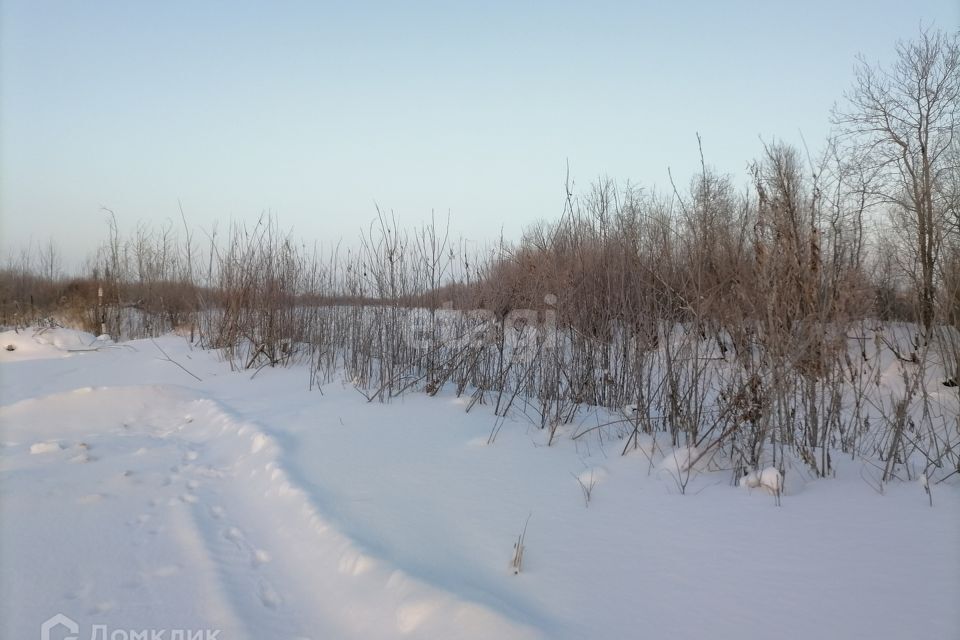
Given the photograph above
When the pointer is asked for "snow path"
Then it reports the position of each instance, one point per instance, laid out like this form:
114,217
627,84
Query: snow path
135,497
204,507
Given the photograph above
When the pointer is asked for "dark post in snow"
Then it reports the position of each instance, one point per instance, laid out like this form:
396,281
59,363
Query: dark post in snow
100,311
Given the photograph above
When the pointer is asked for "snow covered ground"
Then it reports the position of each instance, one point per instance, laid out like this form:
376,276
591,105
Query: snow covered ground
134,497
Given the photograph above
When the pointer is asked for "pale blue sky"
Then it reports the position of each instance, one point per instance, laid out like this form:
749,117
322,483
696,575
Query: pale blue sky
317,110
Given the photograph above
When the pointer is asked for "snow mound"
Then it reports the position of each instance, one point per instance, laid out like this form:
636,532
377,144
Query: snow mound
751,480
592,476
644,444
66,339
682,460
771,481
41,344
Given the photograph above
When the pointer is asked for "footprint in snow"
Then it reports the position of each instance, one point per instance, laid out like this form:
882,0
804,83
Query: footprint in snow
166,571
80,592
269,596
81,453
133,583
140,520
259,557
210,472
235,536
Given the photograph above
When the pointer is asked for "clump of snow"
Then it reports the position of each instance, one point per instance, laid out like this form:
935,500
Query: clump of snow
593,475
681,460
45,447
771,480
751,480
259,441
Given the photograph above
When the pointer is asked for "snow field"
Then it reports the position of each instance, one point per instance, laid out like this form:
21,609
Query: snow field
134,496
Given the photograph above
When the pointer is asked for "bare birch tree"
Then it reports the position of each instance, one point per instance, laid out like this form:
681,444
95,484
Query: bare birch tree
902,120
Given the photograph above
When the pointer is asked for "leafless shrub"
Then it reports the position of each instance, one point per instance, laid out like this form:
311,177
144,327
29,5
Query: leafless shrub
752,326
516,563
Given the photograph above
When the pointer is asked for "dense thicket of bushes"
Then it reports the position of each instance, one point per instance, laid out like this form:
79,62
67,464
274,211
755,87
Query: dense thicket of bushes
750,321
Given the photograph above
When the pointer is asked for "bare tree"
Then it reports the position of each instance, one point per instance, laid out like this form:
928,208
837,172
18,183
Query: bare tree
51,264
902,120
